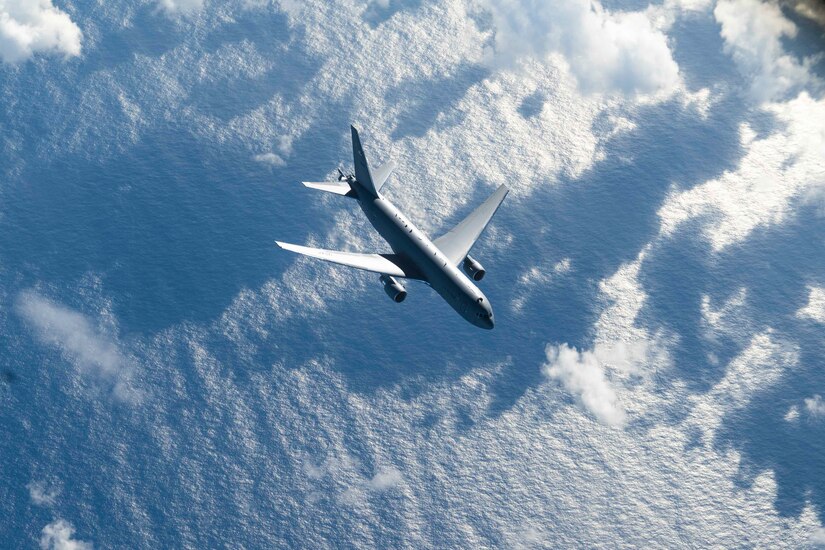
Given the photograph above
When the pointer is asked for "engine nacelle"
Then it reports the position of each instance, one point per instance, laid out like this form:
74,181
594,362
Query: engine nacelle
394,289
474,269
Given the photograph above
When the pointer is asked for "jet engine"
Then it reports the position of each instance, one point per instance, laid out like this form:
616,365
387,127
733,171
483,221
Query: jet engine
394,289
474,269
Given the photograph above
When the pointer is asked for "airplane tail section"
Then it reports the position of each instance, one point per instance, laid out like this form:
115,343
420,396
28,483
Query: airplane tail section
362,167
337,187
382,174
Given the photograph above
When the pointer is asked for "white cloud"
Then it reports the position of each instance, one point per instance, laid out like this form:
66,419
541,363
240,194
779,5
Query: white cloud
274,159
818,537
812,9
91,350
792,415
537,276
760,365
344,471
270,158
28,27
815,406
527,537
753,31
582,374
385,479
58,536
181,6
607,52
41,494
815,309
733,318
781,167
502,470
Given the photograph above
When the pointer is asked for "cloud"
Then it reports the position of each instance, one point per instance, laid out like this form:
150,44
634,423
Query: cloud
273,159
539,275
42,495
733,318
28,27
818,538
58,536
184,7
270,158
760,365
792,415
385,479
815,406
345,471
775,171
72,333
753,33
812,9
582,374
815,309
606,52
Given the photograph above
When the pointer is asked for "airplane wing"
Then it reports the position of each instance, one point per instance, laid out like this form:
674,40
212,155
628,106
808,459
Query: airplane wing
457,242
387,264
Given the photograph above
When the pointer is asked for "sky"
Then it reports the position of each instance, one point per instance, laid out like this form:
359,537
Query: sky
655,378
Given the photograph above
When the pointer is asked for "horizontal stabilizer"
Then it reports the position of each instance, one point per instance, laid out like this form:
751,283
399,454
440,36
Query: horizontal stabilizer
386,264
337,187
379,178
457,242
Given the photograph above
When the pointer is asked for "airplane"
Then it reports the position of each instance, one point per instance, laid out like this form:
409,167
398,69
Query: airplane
415,256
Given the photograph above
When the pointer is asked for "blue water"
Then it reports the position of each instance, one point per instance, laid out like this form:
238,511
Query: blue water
164,233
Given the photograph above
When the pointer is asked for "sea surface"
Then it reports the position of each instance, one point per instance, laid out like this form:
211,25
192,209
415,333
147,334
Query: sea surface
169,378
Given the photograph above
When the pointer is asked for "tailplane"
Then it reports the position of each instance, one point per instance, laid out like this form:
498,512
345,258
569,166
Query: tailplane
337,187
382,174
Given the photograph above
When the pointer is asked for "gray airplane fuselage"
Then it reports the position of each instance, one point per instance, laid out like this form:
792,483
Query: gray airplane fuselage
414,246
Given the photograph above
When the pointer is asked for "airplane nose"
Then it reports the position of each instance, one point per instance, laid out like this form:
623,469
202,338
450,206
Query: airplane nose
489,322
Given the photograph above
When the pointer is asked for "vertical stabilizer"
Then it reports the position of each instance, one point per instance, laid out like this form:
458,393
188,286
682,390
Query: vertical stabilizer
362,167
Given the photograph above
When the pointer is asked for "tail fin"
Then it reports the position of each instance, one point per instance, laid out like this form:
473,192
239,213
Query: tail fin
362,168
